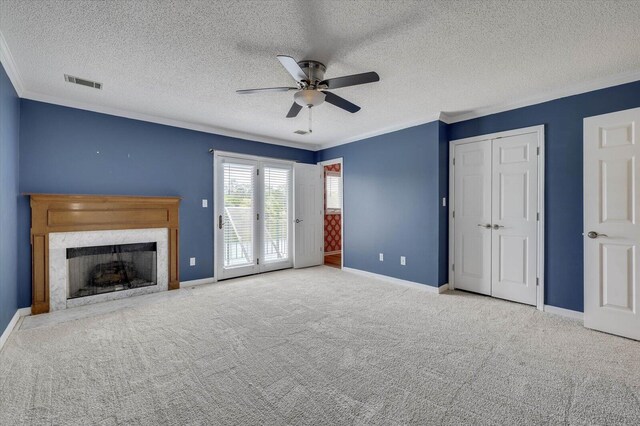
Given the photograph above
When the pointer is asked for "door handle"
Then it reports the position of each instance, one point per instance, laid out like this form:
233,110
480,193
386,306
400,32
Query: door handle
496,226
298,220
594,235
487,225
220,222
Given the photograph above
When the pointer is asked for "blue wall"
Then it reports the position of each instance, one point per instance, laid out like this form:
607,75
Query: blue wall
66,150
563,161
9,137
393,186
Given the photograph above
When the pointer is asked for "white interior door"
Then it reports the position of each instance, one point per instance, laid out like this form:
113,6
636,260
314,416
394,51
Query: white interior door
308,215
514,218
611,228
237,217
472,231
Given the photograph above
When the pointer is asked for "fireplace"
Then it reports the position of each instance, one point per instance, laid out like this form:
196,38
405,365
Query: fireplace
105,269
93,248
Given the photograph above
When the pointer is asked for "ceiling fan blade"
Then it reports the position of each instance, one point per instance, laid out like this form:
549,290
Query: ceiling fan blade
340,102
295,109
351,80
293,68
268,89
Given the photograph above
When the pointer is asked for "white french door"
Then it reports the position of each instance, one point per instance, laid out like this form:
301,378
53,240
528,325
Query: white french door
253,216
495,219
611,223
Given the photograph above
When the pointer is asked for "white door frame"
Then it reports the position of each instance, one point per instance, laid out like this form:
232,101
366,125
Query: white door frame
540,233
340,161
215,198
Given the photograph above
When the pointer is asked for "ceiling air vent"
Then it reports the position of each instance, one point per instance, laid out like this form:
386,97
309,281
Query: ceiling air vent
301,132
81,81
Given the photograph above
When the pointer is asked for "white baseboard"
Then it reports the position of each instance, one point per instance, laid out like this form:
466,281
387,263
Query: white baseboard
22,312
564,312
201,281
412,284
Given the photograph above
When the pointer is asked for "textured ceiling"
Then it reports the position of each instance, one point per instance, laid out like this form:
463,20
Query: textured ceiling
179,60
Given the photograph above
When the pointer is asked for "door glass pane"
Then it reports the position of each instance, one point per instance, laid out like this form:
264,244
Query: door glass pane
276,214
239,199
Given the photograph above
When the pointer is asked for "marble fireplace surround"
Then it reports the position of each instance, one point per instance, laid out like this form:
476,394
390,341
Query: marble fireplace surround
59,242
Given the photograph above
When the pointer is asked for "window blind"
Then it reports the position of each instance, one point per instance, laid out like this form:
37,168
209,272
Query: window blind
332,191
276,213
239,199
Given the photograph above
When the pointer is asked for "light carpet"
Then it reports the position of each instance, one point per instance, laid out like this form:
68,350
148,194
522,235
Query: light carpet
316,346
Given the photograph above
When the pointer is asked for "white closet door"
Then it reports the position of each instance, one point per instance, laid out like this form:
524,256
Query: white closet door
514,208
309,215
472,232
611,223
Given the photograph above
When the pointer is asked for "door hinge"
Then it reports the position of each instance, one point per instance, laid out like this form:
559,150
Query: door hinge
537,281
454,161
538,216
257,261
257,216
453,267
258,172
538,151
453,213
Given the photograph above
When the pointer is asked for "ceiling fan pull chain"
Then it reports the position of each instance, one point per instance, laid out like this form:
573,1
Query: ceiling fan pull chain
310,131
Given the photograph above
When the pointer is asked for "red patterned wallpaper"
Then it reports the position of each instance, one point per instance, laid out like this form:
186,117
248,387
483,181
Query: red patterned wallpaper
332,227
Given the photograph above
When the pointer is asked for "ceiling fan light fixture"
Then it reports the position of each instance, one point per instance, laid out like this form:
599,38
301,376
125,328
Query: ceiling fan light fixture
309,97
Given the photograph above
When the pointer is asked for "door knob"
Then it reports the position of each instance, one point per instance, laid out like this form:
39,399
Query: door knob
487,225
496,226
594,234
298,220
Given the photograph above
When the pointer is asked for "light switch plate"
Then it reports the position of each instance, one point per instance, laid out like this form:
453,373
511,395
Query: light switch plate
192,261
205,203
381,257
403,260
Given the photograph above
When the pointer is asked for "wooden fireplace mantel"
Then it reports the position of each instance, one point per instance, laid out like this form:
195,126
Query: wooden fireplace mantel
67,213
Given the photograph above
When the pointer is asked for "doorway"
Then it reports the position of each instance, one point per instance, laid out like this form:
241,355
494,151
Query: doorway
496,218
333,212
268,214
253,215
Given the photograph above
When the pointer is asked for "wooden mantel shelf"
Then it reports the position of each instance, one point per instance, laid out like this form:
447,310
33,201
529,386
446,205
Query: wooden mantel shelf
69,213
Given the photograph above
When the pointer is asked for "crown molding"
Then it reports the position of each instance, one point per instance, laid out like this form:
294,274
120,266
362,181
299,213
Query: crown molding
382,131
575,89
12,71
10,66
165,121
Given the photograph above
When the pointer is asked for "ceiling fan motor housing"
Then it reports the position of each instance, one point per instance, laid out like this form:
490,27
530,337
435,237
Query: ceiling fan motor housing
314,70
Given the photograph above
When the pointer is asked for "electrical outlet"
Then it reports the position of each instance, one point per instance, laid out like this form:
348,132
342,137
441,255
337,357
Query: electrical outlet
192,261
381,257
403,260
205,203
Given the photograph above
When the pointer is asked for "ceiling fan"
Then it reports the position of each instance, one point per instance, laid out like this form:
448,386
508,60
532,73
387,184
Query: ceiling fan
312,88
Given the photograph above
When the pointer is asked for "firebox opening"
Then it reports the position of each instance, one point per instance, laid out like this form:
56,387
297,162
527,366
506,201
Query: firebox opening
105,269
